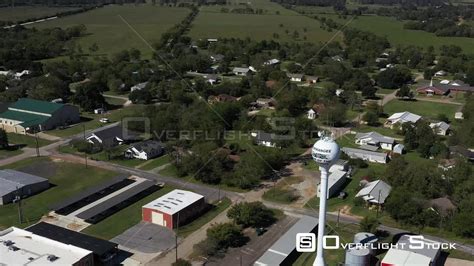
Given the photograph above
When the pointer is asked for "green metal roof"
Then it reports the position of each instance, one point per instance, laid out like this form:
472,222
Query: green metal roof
36,106
27,119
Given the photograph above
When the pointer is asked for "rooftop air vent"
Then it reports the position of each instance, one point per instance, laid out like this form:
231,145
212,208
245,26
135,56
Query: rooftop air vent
52,258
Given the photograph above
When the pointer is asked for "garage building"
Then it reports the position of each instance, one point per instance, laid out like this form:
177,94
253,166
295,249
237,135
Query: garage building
15,183
175,208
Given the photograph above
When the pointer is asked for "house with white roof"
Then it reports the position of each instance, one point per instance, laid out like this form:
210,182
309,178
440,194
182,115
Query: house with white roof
440,128
271,62
312,114
139,86
375,139
401,118
375,192
175,208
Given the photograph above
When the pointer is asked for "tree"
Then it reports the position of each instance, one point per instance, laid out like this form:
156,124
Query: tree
369,92
371,118
462,220
47,88
369,224
334,115
405,93
142,96
88,96
251,214
226,235
393,78
3,139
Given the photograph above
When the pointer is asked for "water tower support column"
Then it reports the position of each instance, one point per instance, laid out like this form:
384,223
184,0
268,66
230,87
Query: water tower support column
323,195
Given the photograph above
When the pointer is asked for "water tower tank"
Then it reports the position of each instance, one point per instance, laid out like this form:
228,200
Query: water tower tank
357,257
325,151
364,237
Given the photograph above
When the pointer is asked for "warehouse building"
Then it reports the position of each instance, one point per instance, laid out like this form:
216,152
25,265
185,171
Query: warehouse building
336,181
175,208
15,183
283,251
28,115
21,247
102,250
405,255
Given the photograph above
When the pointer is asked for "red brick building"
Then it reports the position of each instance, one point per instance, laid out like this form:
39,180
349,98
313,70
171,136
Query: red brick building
175,208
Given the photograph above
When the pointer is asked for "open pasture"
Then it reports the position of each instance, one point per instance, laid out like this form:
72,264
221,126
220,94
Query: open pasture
107,26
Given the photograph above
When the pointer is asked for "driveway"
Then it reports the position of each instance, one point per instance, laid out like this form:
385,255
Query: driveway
146,238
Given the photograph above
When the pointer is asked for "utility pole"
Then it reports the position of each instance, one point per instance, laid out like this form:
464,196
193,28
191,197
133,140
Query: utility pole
378,207
176,238
18,200
37,144
338,213
84,137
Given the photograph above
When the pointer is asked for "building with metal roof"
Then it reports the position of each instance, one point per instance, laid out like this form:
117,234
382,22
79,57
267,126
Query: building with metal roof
21,247
375,192
176,207
371,156
375,139
29,115
15,183
283,251
406,254
102,250
402,117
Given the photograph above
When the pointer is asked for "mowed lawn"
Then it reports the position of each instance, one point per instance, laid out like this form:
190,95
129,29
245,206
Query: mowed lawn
67,180
29,12
212,23
106,27
425,109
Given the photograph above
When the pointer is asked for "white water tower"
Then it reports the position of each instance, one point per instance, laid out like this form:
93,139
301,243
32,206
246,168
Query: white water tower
325,152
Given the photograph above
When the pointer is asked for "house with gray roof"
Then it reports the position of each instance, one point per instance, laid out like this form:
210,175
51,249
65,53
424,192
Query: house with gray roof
375,139
264,139
440,128
401,118
241,71
296,77
145,150
371,156
15,183
375,192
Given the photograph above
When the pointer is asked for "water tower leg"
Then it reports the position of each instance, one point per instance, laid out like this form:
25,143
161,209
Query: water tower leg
323,195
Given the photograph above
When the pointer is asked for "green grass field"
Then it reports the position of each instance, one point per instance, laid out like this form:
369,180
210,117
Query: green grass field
211,23
119,222
425,109
28,12
154,163
106,28
392,29
26,140
91,121
187,229
67,179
